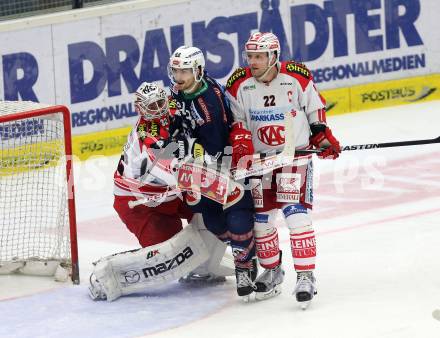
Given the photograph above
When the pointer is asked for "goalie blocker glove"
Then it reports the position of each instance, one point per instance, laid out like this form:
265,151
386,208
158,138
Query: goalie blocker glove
322,138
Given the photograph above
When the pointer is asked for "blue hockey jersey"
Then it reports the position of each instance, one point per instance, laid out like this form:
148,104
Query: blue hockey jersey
206,115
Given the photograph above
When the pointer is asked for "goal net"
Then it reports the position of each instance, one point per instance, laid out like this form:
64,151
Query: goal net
37,206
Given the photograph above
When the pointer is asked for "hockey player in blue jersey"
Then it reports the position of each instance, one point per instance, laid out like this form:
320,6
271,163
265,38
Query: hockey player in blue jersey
204,113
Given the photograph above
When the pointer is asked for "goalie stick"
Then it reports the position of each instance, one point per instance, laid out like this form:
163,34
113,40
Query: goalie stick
368,146
153,198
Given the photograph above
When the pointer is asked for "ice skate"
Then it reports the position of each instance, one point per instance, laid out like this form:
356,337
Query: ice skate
269,283
202,279
245,277
305,288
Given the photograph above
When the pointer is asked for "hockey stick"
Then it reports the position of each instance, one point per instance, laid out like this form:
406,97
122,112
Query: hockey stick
369,146
169,149
153,198
261,166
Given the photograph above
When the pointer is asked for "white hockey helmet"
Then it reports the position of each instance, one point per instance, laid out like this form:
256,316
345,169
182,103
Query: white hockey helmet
151,101
263,42
186,57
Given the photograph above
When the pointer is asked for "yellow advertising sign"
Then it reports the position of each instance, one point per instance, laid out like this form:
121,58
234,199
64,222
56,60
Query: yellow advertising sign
108,142
382,94
338,101
396,92
29,157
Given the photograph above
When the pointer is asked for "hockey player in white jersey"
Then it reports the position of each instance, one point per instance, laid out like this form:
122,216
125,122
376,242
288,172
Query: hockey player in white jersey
169,251
260,95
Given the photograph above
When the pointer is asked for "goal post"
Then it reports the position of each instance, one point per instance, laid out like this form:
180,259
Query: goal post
38,234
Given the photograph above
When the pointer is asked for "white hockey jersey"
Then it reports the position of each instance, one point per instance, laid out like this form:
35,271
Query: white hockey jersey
138,173
261,107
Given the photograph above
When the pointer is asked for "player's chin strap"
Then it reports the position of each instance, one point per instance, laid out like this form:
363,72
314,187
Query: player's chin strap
276,63
197,80
194,87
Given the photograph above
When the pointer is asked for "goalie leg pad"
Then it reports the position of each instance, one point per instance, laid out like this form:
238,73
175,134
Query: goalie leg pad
219,263
133,271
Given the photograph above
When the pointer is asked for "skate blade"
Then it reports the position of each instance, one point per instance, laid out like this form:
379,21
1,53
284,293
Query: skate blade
304,305
304,299
202,281
269,294
245,299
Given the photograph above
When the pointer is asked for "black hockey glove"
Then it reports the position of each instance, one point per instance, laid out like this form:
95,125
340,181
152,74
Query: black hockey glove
188,147
178,125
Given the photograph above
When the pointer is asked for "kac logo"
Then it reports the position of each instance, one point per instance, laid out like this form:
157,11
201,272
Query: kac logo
271,135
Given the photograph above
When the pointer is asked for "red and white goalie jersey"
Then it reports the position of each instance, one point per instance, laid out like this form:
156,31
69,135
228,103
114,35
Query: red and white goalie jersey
138,173
261,107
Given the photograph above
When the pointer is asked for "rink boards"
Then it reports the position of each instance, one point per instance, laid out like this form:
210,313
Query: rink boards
339,101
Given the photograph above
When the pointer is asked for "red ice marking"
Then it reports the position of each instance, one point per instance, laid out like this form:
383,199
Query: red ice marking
379,221
354,199
407,180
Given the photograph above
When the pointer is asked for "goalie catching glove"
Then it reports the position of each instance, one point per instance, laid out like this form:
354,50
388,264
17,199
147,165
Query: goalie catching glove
322,138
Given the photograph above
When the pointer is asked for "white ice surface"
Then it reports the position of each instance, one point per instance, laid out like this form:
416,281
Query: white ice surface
377,218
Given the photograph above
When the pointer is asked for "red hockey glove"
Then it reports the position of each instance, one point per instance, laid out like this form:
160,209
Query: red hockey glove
241,141
322,137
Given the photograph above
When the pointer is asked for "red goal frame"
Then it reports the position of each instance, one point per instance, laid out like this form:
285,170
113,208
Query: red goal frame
69,173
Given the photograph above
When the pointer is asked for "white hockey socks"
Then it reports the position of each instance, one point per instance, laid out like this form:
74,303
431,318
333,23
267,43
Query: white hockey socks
266,240
302,237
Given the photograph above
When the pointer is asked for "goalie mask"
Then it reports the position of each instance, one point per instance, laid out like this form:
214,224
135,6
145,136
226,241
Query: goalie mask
151,101
189,58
